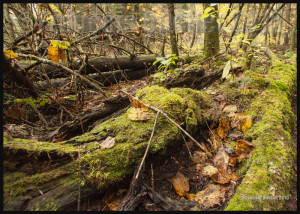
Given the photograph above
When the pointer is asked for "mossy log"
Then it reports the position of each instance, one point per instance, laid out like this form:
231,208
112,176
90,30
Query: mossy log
56,189
268,172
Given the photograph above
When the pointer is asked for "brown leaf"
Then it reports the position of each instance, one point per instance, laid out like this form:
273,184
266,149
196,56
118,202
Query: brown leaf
180,183
223,128
14,113
210,196
61,54
108,143
243,149
224,177
221,160
137,114
199,157
209,170
136,103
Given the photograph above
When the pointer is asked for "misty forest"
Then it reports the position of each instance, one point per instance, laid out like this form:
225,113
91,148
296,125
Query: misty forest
149,106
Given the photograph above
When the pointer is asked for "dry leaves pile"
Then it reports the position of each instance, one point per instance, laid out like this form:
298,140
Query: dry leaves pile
220,168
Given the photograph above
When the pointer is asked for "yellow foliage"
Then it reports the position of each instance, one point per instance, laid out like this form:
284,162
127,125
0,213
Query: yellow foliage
10,54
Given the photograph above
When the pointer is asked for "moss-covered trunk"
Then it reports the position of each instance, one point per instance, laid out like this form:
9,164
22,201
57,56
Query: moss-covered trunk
56,187
266,184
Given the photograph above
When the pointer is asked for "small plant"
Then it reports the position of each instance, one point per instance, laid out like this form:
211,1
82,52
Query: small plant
165,66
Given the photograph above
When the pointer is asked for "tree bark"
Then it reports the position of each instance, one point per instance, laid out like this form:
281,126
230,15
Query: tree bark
172,29
288,18
211,34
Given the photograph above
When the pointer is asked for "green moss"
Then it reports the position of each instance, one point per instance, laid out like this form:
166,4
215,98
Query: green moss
36,147
271,161
110,166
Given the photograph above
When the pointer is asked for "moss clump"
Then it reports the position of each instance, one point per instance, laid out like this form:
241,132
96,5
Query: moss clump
271,161
185,106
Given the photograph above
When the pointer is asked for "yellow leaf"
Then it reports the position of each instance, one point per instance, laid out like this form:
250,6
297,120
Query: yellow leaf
245,120
10,54
53,53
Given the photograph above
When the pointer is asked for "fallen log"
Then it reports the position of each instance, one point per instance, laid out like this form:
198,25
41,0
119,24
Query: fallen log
106,78
105,64
56,189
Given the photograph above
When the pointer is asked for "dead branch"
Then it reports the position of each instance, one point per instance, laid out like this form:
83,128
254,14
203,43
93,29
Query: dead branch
66,69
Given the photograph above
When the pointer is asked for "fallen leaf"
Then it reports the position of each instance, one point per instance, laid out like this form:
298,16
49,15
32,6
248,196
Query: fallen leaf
230,108
221,160
245,120
53,53
243,149
210,196
236,135
137,114
199,157
223,128
209,170
180,183
224,177
136,103
235,123
108,143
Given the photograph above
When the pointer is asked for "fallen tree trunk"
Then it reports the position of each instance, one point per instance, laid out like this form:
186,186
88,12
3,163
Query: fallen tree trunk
55,189
104,64
106,78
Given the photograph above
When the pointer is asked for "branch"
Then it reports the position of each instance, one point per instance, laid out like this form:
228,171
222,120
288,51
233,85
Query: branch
135,42
66,69
282,17
95,33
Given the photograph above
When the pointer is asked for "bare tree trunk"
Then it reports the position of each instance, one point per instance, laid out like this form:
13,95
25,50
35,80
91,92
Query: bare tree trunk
288,18
279,34
194,27
172,29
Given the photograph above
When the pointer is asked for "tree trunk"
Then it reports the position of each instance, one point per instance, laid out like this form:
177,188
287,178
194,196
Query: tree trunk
172,29
211,34
287,27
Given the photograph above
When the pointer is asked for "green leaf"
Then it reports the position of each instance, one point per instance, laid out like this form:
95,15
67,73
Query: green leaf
155,62
226,69
203,16
208,10
159,74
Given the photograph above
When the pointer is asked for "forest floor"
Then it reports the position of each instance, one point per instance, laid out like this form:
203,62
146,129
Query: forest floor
160,170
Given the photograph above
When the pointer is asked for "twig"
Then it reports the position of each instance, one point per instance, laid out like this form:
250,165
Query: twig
147,149
186,145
